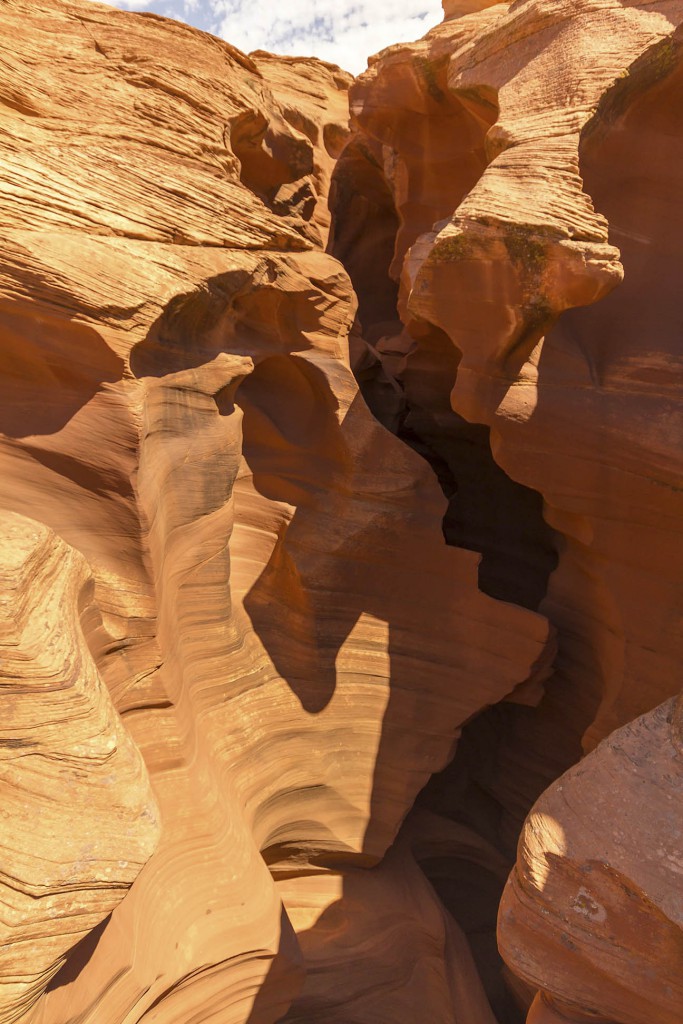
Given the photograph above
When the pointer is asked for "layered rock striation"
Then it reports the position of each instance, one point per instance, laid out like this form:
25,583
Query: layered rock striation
535,296
288,645
245,617
79,817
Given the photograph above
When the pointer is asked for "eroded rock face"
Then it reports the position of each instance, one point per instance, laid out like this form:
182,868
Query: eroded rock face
599,870
524,247
289,645
419,150
458,8
314,99
79,820
539,301
263,648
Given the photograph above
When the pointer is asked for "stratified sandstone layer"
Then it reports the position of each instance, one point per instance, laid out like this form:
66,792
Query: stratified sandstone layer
241,644
289,645
79,820
314,99
535,294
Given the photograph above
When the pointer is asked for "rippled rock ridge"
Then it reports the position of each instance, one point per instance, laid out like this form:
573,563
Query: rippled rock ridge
341,496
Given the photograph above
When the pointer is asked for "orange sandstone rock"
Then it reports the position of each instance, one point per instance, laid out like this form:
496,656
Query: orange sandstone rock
524,246
537,299
458,8
289,643
315,102
260,641
79,820
592,912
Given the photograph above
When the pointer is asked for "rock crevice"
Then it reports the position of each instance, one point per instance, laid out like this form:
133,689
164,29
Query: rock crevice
339,517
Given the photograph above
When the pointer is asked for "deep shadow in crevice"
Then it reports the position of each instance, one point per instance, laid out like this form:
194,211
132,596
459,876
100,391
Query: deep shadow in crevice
407,382
487,511
406,375
469,791
364,228
471,894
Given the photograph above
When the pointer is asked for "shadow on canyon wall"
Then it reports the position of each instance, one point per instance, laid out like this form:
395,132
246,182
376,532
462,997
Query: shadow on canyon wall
488,512
50,367
352,548
509,754
329,564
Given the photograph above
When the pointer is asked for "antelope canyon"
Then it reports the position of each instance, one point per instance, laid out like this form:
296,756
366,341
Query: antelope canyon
341,521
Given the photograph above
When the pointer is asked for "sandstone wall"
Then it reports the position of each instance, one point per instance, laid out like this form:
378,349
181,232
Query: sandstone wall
535,295
306,505
286,643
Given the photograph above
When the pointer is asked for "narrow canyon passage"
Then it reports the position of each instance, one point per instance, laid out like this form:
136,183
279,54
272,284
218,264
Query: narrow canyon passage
406,374
407,370
340,522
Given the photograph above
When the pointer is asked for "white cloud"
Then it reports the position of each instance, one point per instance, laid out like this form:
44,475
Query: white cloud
134,5
345,32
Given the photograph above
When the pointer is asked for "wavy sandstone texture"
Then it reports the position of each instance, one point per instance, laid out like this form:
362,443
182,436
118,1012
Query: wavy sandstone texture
79,818
235,647
517,310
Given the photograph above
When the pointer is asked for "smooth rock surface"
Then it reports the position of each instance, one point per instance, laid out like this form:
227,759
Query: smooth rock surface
592,912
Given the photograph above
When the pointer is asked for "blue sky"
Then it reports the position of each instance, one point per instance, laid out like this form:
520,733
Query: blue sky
345,32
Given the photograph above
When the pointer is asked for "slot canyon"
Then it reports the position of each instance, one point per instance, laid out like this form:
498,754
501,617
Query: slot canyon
341,500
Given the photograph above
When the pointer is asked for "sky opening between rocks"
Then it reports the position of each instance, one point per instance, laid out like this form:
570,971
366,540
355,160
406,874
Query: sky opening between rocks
345,32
